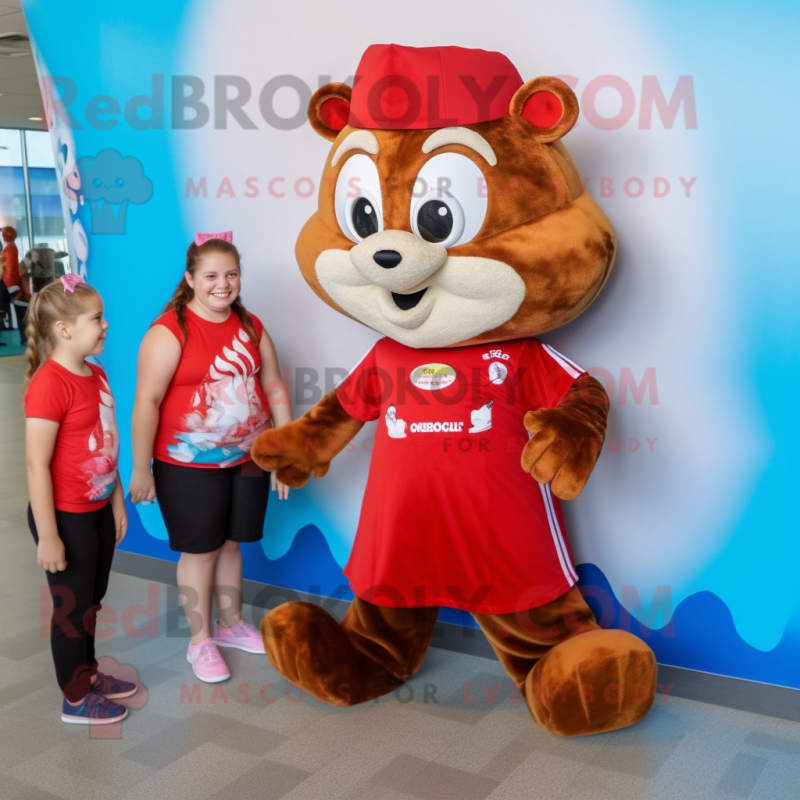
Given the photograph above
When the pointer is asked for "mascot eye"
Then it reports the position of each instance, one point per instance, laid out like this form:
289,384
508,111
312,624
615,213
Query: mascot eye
363,217
358,198
449,202
119,183
438,218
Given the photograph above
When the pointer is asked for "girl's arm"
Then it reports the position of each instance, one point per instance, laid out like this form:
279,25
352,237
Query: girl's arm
119,511
40,442
280,404
159,356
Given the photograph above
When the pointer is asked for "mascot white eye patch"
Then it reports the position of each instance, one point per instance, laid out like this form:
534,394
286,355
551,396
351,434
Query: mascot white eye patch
357,198
448,204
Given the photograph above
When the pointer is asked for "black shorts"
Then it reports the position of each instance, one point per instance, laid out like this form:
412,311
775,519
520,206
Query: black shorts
202,508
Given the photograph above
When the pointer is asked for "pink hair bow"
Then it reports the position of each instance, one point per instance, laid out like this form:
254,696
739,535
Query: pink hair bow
71,280
202,238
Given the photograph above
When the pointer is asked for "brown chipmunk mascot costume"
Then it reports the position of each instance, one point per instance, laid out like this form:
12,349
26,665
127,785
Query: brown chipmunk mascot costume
453,221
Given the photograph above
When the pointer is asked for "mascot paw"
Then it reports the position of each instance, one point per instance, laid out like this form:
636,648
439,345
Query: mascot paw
595,682
267,449
281,450
562,450
312,650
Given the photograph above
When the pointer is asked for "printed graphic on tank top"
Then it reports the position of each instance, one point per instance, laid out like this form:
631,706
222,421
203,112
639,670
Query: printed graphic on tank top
227,411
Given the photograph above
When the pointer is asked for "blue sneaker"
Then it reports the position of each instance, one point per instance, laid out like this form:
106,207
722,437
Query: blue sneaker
94,710
113,688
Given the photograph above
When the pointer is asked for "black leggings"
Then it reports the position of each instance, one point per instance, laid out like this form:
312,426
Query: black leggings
89,541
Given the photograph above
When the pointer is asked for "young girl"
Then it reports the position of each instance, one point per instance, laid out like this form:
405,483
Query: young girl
209,382
77,510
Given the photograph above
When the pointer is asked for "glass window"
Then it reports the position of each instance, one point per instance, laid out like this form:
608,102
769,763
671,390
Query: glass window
45,228
40,151
13,209
46,211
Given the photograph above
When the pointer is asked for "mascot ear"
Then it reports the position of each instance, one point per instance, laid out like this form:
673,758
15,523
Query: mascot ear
329,109
548,104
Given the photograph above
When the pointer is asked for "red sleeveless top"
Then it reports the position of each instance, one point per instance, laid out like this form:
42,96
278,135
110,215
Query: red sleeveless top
214,407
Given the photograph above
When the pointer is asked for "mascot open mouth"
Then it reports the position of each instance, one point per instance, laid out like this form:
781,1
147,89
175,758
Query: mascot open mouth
406,302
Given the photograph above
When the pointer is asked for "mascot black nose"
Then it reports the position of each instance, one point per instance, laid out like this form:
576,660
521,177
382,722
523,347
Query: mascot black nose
387,258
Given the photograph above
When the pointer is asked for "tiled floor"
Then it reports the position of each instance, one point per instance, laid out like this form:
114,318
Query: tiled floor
256,737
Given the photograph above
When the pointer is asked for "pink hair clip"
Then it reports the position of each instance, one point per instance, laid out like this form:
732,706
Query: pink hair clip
202,238
71,280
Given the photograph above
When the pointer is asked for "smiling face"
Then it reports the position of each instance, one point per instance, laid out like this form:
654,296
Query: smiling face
457,235
216,283
85,334
109,188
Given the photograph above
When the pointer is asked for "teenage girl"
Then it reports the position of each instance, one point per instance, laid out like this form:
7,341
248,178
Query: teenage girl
208,383
77,510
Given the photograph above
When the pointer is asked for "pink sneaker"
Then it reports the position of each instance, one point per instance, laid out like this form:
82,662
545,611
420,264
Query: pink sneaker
242,636
206,662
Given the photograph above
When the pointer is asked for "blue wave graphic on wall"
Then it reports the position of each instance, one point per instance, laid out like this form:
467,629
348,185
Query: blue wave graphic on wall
700,635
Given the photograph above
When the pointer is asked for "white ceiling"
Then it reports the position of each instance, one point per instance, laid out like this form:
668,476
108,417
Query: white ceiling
19,88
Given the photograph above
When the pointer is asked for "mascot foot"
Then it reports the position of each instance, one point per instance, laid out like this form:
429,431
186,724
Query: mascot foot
369,654
595,682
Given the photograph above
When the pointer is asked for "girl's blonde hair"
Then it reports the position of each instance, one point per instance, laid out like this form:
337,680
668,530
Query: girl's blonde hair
51,304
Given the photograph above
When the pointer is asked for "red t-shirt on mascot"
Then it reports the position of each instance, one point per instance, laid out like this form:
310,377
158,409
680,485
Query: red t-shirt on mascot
447,501
84,463
214,407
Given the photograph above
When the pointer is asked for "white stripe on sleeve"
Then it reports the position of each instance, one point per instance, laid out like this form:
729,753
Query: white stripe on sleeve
570,367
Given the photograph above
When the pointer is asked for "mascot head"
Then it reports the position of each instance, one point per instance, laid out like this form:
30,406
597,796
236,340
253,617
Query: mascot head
450,212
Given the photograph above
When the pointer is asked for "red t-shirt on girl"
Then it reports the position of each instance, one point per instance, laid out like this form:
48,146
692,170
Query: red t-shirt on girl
214,407
84,463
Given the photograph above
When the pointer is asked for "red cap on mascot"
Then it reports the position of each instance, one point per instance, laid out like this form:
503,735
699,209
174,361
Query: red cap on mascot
412,88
